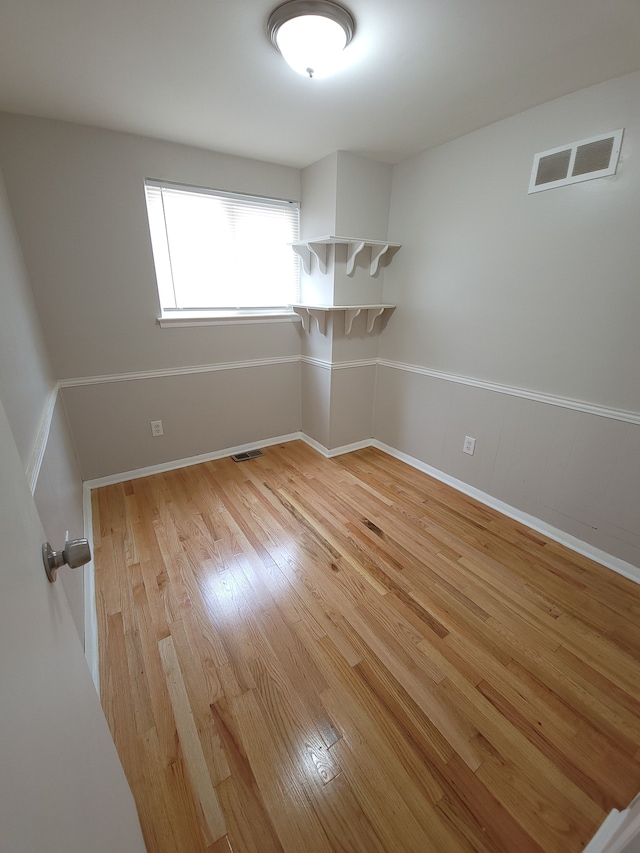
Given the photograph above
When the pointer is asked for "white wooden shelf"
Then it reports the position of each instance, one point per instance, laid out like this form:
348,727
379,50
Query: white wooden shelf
318,247
320,312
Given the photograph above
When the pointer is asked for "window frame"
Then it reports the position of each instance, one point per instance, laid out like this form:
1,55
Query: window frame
176,316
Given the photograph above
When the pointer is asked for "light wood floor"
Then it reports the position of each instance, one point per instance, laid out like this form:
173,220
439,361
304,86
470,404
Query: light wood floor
300,654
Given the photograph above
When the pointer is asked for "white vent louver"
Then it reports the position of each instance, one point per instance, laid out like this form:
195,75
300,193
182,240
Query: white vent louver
580,161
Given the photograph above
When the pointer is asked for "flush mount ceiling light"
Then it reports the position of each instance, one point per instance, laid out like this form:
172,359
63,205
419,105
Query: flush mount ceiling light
311,35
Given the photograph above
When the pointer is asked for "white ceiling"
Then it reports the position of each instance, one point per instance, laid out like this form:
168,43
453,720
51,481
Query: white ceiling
203,72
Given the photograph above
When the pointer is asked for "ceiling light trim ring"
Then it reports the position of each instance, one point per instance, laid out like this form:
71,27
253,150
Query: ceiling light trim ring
322,8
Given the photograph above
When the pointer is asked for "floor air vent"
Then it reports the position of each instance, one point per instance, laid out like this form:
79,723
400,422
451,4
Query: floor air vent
249,454
580,161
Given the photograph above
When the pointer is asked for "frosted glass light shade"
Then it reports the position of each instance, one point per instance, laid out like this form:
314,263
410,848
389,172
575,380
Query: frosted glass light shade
311,35
311,44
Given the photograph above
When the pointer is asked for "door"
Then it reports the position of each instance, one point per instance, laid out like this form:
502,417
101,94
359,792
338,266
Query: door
61,784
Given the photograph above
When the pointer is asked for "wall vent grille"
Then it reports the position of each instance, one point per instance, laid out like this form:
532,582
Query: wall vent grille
580,161
248,454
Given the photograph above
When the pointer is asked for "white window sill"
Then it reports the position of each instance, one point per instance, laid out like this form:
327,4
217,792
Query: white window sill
223,318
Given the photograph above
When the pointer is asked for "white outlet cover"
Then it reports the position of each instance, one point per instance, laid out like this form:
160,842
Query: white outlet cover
156,428
469,445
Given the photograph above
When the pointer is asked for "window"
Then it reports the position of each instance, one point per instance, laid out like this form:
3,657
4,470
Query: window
221,252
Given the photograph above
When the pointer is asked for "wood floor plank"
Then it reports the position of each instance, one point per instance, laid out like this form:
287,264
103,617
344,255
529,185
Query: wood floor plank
309,655
167,811
384,800
190,742
249,824
279,780
200,699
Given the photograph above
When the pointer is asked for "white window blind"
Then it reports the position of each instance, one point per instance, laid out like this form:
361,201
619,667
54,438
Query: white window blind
220,251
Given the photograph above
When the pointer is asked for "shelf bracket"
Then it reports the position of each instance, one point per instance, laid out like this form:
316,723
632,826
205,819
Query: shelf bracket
320,252
377,253
304,317
372,313
305,256
350,315
321,319
320,312
353,250
306,313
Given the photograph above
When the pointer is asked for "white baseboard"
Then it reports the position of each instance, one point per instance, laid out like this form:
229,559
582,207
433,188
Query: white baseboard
619,829
601,841
605,833
162,467
335,451
572,542
90,614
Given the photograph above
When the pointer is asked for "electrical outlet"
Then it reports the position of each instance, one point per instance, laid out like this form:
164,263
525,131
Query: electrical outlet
156,428
469,445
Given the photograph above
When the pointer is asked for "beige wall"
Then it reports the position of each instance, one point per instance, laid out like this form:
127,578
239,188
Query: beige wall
201,413
77,198
319,186
362,197
575,471
77,195
26,377
26,384
539,293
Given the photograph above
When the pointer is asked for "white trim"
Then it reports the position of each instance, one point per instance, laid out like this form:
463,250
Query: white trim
217,192
36,456
335,451
619,828
576,405
91,640
166,322
176,371
572,542
162,467
349,365
605,833
338,365
90,612
315,362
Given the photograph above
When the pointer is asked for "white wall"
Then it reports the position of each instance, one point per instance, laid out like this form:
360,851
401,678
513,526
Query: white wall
78,200
539,293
